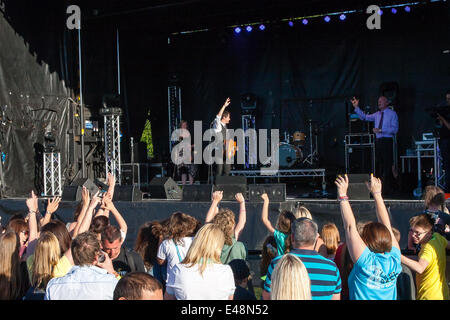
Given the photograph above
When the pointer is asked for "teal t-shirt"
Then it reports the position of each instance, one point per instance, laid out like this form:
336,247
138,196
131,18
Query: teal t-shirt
374,276
280,239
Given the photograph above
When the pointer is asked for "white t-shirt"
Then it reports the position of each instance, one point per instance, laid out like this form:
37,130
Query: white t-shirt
168,252
216,283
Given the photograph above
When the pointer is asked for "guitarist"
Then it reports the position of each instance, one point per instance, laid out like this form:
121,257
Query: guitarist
220,125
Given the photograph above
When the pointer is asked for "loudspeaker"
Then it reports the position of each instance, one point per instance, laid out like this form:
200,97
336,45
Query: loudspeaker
357,189
71,193
164,188
276,192
127,193
86,182
197,192
230,185
74,191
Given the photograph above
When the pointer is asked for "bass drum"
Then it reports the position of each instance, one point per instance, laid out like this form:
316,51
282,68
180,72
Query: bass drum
289,155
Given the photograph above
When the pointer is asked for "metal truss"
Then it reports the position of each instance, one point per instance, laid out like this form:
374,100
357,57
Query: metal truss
112,141
52,174
174,110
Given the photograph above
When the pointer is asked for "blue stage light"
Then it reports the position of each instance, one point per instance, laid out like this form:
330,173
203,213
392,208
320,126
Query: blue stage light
262,27
249,28
394,11
342,17
380,12
305,21
407,8
237,30
327,19
291,24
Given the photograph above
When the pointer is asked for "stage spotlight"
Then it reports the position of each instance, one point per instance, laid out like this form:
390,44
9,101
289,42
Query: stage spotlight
305,21
291,24
380,12
342,17
249,28
327,19
237,30
394,11
407,8
262,27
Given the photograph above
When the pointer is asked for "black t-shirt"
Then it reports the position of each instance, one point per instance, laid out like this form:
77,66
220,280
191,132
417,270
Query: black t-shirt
243,294
128,261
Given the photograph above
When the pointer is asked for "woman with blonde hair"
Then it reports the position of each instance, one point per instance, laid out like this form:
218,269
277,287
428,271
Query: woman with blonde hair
201,275
46,257
290,280
331,239
13,278
302,212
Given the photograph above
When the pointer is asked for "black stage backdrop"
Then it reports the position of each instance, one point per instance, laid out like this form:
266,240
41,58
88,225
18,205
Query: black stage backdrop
297,73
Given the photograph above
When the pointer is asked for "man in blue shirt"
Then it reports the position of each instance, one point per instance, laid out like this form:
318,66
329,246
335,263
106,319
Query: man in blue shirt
89,279
323,273
385,128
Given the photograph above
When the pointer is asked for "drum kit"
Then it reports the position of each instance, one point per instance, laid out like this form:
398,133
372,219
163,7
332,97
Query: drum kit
291,151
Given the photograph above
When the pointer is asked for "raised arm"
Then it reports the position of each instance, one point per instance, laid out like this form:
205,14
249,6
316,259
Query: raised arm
52,206
265,213
85,223
33,207
242,215
110,193
354,242
416,266
382,213
109,205
360,113
226,104
216,198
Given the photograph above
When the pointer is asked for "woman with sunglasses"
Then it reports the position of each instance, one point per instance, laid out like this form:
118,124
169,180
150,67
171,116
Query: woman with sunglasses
430,268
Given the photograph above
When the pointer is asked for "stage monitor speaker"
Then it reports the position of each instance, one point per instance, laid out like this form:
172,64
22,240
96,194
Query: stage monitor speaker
88,183
276,192
230,185
197,192
127,193
357,189
71,193
164,188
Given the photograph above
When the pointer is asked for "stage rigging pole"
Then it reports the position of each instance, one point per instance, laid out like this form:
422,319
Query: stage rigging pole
83,160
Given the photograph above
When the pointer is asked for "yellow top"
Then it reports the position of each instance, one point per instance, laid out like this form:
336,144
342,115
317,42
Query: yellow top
431,284
62,267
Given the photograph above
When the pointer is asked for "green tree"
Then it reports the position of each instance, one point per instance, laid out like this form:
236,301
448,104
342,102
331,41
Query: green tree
147,137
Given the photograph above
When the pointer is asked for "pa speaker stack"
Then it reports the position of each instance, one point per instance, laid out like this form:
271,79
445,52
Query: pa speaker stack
197,192
230,185
74,191
276,192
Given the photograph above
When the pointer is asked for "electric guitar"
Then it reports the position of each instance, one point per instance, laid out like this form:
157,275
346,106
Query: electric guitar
230,148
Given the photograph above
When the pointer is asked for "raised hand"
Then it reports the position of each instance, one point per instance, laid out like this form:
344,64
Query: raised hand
85,197
265,197
107,203
53,205
375,185
239,197
227,102
217,196
95,200
342,185
32,202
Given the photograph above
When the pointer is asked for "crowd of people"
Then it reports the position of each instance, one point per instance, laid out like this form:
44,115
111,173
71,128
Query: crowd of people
183,258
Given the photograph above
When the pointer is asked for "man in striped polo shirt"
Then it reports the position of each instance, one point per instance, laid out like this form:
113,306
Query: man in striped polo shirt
323,273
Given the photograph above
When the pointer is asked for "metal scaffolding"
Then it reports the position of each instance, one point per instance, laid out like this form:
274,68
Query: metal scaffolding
111,118
52,174
174,110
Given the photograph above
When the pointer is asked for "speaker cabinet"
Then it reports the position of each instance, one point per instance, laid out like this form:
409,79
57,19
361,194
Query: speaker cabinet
127,193
197,192
357,189
230,185
276,192
164,188
74,191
